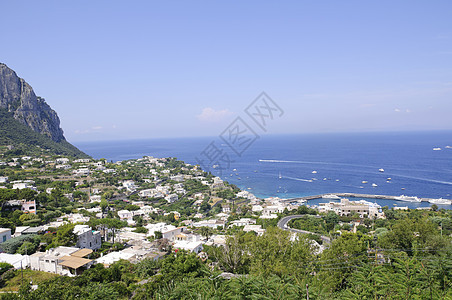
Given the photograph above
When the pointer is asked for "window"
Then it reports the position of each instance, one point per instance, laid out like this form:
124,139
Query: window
4,238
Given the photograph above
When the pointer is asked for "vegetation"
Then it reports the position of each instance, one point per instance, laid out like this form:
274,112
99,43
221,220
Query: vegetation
26,141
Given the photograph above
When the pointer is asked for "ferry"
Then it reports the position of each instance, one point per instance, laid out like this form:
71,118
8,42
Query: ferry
408,198
440,201
331,196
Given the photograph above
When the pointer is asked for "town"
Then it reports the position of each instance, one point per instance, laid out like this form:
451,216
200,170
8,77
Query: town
63,215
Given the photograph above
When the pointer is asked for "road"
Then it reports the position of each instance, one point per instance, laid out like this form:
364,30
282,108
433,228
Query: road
283,225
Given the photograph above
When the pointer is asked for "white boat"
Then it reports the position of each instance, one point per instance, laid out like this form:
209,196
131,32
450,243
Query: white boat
364,181
374,185
408,198
448,147
280,175
314,172
437,149
331,196
389,179
381,170
440,201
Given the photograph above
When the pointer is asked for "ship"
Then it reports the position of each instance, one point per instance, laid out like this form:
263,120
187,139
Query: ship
440,201
331,196
408,198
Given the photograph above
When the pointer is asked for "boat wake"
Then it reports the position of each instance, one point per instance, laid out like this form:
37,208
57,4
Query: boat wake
298,179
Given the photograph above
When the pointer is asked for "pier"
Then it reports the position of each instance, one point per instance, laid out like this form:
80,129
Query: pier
349,195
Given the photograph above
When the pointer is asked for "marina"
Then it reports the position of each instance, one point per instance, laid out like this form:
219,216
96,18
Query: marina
353,195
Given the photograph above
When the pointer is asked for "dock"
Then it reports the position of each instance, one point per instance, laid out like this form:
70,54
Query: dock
349,195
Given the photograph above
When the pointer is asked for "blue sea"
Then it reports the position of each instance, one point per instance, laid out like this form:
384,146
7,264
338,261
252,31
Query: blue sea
288,166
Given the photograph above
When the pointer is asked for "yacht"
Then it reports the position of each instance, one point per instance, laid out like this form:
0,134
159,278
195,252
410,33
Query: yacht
374,185
408,198
389,179
440,201
314,172
331,196
381,170
437,149
364,181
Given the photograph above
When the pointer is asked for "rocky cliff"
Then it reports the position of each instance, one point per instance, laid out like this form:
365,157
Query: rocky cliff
18,98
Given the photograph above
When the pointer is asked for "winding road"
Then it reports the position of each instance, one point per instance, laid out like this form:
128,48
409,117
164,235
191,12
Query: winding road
283,225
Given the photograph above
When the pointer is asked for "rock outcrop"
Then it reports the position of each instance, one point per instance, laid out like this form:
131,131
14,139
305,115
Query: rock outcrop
17,97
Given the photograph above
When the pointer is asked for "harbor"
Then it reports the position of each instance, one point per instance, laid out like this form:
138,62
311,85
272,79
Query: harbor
350,195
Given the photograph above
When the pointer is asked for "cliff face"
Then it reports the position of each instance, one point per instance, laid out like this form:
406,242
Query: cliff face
18,97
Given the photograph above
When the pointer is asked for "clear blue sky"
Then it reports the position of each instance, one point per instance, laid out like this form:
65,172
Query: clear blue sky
144,69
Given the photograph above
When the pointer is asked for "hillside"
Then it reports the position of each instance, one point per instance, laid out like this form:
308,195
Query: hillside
27,141
27,121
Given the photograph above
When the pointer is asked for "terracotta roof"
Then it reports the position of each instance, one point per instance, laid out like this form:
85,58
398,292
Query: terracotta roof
74,262
82,252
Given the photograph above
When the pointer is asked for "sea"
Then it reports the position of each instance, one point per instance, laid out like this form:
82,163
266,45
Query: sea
290,166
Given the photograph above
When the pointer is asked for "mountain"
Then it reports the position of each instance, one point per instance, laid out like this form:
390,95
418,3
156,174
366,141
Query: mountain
27,120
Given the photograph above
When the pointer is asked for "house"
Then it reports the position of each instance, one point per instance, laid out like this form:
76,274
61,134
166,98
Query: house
171,234
81,172
195,246
3,179
19,230
125,214
18,261
158,227
256,228
213,223
5,234
62,160
171,198
87,238
19,185
129,185
68,261
346,207
23,205
243,222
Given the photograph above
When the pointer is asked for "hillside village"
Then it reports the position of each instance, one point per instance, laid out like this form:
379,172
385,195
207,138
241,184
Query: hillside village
130,210
134,226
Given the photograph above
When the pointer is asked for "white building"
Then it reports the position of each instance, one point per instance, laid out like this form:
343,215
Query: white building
171,198
87,238
62,260
195,246
18,261
5,234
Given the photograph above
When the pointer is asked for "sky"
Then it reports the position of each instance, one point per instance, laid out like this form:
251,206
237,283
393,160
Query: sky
116,70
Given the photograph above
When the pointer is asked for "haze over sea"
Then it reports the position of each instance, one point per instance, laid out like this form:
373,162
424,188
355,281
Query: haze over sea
342,161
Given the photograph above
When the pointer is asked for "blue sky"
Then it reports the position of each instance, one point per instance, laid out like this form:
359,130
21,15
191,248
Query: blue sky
145,69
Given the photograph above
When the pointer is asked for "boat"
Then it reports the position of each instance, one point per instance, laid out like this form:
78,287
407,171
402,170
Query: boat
448,147
331,196
402,188
437,149
374,185
280,175
337,179
440,201
314,172
364,181
407,198
381,170
234,170
389,179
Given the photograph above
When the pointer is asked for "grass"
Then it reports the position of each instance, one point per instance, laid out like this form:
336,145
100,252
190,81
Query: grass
37,277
